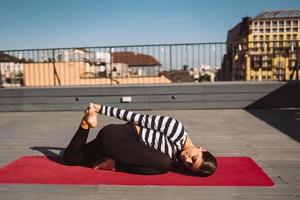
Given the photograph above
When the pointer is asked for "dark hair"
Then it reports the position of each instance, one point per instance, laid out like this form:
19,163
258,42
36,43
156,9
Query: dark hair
209,164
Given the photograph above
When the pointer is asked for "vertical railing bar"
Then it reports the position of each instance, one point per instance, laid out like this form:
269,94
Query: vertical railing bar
158,67
221,60
209,55
171,64
233,62
111,65
297,60
193,56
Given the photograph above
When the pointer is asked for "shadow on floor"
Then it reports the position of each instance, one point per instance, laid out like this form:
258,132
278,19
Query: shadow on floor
49,152
285,120
286,96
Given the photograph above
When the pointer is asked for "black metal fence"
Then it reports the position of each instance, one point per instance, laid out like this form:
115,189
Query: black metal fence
150,64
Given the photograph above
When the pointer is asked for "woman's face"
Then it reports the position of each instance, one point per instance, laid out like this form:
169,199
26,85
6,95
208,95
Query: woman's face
192,158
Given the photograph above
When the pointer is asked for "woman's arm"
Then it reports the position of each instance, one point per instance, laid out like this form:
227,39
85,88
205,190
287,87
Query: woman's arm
169,126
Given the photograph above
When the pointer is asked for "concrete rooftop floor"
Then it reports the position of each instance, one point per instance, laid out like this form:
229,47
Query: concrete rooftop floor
270,137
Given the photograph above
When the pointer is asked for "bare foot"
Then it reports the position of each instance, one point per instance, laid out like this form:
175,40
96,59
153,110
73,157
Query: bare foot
90,116
97,107
84,124
108,164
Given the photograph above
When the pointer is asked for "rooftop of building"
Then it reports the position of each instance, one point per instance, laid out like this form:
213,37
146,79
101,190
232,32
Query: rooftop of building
260,134
278,14
134,59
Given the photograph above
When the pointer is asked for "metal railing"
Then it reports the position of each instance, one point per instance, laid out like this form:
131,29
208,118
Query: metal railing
150,64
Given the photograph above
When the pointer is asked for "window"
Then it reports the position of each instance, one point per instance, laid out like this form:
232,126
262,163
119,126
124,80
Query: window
258,44
281,23
288,29
295,29
261,38
274,23
295,23
274,37
267,37
292,63
256,58
281,30
261,30
288,23
265,58
280,37
268,23
267,30
294,44
280,44
255,38
292,56
261,24
295,37
274,30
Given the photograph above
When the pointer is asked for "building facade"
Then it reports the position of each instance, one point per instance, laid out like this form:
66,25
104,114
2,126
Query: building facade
264,47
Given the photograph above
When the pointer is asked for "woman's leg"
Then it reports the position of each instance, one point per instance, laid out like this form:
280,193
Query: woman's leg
73,154
120,142
78,152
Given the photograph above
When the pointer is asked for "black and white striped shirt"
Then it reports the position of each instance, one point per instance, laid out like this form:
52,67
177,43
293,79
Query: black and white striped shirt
163,133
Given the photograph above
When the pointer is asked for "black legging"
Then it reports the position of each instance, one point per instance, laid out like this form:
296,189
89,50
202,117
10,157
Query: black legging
119,142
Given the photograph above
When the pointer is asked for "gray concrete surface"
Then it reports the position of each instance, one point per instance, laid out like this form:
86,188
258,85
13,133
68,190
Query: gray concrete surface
270,137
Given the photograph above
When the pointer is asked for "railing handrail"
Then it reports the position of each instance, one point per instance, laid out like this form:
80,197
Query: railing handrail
115,46
146,45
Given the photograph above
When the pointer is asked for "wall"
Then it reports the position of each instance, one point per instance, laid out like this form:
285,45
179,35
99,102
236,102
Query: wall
164,96
76,73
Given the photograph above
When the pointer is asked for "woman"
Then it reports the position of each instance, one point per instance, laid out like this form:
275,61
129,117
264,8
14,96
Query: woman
147,144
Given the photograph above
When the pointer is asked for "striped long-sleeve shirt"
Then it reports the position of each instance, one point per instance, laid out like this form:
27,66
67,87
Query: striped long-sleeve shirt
163,133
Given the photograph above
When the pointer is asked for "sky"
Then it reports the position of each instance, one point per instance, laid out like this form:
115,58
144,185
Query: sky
29,24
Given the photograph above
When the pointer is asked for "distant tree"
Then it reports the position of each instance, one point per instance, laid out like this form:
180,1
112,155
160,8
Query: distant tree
205,77
30,60
185,67
7,58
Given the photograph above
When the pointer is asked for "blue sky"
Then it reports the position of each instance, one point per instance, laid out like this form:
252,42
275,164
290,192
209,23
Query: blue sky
26,24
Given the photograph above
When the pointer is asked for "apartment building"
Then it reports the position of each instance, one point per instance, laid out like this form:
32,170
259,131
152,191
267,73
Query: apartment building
264,47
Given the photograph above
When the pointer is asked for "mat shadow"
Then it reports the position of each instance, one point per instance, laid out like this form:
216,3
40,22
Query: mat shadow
50,154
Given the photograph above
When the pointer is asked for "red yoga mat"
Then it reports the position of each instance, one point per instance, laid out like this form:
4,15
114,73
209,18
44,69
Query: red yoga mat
232,171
